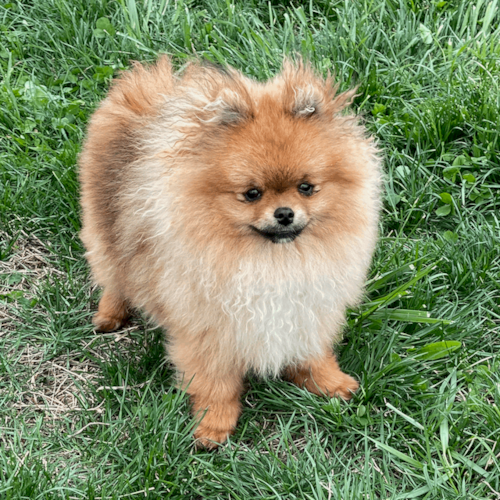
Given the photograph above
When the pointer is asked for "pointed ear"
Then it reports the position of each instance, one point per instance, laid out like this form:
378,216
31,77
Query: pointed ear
307,94
221,95
229,108
307,101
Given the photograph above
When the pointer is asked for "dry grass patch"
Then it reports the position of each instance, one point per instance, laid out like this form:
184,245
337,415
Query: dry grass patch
36,383
21,277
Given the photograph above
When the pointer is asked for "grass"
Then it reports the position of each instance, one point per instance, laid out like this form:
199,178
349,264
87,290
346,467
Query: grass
95,416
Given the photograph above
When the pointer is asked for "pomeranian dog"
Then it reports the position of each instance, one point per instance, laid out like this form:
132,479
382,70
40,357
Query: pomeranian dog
241,216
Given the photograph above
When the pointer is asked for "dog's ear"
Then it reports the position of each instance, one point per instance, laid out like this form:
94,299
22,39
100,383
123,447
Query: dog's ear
229,108
221,95
307,95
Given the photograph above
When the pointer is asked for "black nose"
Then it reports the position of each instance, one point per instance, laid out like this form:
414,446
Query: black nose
284,215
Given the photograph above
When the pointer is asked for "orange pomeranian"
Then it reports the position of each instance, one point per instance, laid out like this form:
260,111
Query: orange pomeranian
241,216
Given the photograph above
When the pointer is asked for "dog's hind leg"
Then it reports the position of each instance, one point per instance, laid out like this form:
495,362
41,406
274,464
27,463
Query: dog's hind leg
112,313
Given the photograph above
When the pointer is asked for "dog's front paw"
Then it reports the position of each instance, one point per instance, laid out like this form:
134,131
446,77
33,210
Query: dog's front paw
209,438
323,377
343,387
216,423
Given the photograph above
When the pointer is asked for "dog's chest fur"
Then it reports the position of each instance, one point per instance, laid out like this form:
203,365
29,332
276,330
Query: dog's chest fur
285,316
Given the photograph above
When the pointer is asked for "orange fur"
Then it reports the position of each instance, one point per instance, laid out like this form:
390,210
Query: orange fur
165,172
113,312
323,377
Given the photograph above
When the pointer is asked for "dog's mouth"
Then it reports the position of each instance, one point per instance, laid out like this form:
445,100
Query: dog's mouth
279,236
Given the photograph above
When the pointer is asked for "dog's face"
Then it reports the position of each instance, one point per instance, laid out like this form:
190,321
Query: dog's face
279,192
282,215
279,182
282,172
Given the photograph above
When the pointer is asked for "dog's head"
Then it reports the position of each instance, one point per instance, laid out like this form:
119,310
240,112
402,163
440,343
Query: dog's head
278,163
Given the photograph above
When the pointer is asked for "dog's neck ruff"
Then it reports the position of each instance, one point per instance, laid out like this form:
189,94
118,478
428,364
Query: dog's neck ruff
284,312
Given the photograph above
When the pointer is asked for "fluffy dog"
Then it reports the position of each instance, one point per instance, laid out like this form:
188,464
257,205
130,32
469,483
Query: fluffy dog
241,216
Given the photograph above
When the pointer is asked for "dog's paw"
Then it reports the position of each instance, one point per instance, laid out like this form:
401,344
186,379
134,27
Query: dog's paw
210,438
343,388
104,323
216,423
113,312
324,378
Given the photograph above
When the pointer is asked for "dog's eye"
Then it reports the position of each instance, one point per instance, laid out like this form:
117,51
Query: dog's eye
253,194
306,189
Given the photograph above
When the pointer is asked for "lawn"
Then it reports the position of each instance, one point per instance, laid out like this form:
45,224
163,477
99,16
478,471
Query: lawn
95,416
